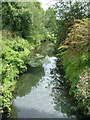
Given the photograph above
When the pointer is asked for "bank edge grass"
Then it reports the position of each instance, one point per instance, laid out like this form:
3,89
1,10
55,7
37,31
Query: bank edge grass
15,54
74,55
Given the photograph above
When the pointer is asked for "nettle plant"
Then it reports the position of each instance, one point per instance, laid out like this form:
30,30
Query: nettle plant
82,91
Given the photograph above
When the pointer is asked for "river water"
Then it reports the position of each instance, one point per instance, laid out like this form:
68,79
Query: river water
41,91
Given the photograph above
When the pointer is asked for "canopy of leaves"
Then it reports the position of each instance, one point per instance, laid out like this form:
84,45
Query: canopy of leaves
24,19
67,12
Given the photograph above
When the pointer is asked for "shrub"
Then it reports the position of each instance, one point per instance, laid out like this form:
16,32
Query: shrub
15,55
74,54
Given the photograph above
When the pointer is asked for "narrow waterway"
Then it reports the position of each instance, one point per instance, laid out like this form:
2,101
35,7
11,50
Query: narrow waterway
41,92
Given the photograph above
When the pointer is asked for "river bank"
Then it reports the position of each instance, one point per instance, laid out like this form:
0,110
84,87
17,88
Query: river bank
15,57
74,55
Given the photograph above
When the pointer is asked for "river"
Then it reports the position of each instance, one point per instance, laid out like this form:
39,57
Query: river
41,92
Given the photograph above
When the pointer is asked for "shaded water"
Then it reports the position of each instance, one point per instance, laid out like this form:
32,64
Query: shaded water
42,93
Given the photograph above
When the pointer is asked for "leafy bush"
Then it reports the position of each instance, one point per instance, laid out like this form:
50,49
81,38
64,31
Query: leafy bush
74,54
15,55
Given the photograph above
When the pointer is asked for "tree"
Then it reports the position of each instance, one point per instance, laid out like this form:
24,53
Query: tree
24,19
50,19
70,10
67,12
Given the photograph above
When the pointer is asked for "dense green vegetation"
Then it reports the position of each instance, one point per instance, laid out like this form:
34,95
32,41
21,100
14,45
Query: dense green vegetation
23,30
72,47
75,61
25,25
24,19
14,58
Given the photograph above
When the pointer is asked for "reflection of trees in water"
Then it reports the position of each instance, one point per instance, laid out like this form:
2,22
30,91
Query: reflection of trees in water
62,100
14,113
25,84
28,80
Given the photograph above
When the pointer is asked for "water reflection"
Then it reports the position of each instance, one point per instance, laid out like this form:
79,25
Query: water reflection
63,102
28,81
36,102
